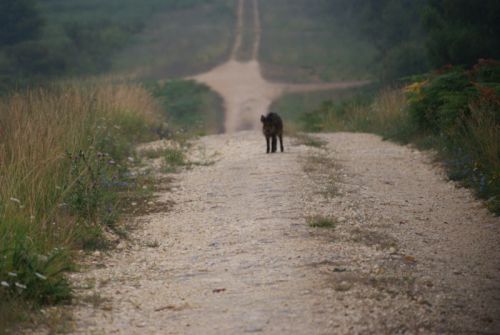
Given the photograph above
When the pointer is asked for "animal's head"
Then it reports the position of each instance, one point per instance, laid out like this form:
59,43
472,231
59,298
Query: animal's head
262,119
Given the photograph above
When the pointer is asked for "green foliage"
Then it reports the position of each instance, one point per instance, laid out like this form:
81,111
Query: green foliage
30,275
21,21
439,101
322,222
461,31
460,110
173,159
190,106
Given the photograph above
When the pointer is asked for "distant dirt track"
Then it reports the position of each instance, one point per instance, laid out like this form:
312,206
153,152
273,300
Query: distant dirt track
246,93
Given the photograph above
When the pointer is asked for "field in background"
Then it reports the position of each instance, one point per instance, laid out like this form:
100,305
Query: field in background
181,42
303,41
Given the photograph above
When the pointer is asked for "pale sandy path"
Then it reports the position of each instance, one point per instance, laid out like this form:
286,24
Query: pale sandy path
246,93
411,253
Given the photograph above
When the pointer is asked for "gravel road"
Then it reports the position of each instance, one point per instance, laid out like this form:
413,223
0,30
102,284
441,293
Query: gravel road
410,253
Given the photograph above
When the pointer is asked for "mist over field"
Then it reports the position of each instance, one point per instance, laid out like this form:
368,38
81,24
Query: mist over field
105,104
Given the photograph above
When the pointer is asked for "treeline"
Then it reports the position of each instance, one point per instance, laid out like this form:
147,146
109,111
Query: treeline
414,36
46,39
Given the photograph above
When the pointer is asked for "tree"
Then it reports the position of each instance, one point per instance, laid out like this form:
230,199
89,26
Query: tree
462,31
20,20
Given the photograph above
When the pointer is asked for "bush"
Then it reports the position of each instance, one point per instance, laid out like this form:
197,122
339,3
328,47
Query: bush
459,111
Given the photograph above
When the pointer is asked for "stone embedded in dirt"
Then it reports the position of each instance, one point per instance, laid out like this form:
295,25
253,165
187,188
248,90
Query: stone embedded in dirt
343,286
218,290
409,260
427,281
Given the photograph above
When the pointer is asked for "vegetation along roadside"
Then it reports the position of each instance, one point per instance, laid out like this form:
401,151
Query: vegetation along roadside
66,154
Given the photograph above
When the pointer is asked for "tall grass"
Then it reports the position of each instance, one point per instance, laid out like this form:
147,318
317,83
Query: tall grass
383,113
63,153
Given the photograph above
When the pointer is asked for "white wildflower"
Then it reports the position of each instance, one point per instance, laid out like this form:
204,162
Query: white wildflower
4,284
12,274
16,200
39,275
22,286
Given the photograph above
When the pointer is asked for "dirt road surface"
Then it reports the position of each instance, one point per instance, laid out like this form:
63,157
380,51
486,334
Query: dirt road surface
410,253
230,249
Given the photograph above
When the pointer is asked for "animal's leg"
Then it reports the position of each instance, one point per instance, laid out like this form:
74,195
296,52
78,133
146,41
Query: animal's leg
281,142
274,143
267,143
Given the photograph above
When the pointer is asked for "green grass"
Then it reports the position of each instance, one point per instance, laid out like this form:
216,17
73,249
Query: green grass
173,159
190,106
319,221
308,140
177,43
304,41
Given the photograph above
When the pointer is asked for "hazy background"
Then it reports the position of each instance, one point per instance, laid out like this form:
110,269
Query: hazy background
303,40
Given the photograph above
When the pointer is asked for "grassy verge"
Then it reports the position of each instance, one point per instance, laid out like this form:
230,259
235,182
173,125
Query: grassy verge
321,222
65,154
455,111
189,107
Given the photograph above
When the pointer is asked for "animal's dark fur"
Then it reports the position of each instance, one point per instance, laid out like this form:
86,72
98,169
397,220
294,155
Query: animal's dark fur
272,127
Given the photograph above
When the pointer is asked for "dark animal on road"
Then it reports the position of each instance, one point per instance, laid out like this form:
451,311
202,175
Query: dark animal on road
272,127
